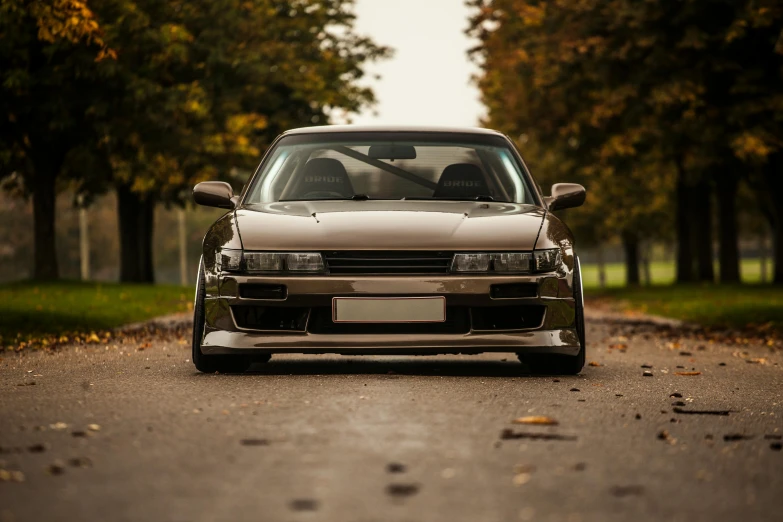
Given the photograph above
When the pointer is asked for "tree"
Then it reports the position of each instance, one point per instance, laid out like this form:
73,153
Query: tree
191,90
201,87
658,97
45,46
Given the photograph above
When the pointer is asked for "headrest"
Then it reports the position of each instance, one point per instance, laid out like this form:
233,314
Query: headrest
324,175
461,180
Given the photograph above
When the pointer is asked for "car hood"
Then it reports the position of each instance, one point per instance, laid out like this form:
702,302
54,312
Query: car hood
389,225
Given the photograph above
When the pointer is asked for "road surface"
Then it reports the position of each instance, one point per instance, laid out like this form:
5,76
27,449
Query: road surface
127,430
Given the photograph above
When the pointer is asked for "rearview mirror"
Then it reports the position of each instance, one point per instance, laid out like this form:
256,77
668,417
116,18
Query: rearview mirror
214,194
392,152
565,195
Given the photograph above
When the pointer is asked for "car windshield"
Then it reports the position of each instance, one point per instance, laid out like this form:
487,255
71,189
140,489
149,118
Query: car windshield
389,167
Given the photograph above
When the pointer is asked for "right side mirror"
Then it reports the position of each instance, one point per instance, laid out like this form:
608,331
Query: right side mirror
565,195
214,194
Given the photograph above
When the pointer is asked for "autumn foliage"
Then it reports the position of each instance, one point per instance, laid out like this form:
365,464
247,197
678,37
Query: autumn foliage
658,107
147,97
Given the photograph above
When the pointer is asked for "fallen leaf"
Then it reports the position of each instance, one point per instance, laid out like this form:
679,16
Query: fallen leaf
732,437
512,435
56,468
624,491
402,490
304,504
687,374
80,462
593,363
395,467
536,419
254,442
93,427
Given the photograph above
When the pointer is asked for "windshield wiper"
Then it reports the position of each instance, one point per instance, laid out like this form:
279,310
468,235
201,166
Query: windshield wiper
480,197
355,197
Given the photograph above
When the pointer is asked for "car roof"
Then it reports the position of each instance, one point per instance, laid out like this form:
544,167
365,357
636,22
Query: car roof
331,129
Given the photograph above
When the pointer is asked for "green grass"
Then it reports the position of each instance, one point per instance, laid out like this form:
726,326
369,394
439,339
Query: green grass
662,273
722,306
32,310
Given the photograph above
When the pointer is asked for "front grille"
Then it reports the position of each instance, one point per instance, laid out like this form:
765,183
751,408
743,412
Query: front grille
457,322
272,318
388,262
490,318
262,291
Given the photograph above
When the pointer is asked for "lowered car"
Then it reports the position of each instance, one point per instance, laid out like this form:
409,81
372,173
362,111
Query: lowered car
389,240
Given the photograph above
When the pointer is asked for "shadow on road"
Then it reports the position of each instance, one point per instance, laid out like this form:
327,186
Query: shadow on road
396,367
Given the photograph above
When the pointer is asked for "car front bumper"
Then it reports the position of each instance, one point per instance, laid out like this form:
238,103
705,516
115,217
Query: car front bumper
551,294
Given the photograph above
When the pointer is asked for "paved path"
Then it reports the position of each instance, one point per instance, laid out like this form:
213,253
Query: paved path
112,432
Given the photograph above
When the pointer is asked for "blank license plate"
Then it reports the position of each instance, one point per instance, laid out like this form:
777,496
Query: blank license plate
389,309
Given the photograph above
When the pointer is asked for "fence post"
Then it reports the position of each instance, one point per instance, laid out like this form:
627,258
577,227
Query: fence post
183,248
84,239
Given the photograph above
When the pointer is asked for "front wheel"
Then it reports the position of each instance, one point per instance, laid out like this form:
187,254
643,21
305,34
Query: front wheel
211,363
552,364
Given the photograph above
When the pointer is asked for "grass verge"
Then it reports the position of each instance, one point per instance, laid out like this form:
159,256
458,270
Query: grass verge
34,310
754,307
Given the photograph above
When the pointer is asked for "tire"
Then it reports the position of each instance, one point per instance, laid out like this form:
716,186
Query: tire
211,363
556,364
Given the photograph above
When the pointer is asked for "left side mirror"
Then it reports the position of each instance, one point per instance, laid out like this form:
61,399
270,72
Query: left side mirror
566,195
214,194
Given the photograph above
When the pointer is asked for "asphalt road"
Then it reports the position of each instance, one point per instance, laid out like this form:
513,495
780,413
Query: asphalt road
111,432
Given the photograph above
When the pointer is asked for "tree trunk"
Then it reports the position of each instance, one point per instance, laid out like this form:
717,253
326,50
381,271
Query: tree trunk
728,254
631,248
683,227
702,221
44,211
135,216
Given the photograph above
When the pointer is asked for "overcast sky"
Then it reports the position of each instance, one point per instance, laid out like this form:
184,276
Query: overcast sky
427,82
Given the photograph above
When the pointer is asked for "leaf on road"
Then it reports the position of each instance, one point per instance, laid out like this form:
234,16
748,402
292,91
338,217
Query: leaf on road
395,467
11,476
304,504
593,363
402,490
514,435
254,442
665,436
536,419
94,427
701,412
687,374
56,468
625,491
80,462
733,437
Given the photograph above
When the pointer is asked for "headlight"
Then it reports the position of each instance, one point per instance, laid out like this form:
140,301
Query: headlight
229,260
507,263
263,262
304,262
237,260
519,263
470,263
547,260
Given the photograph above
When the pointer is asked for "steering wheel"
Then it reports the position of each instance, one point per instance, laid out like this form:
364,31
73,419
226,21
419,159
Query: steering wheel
320,194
